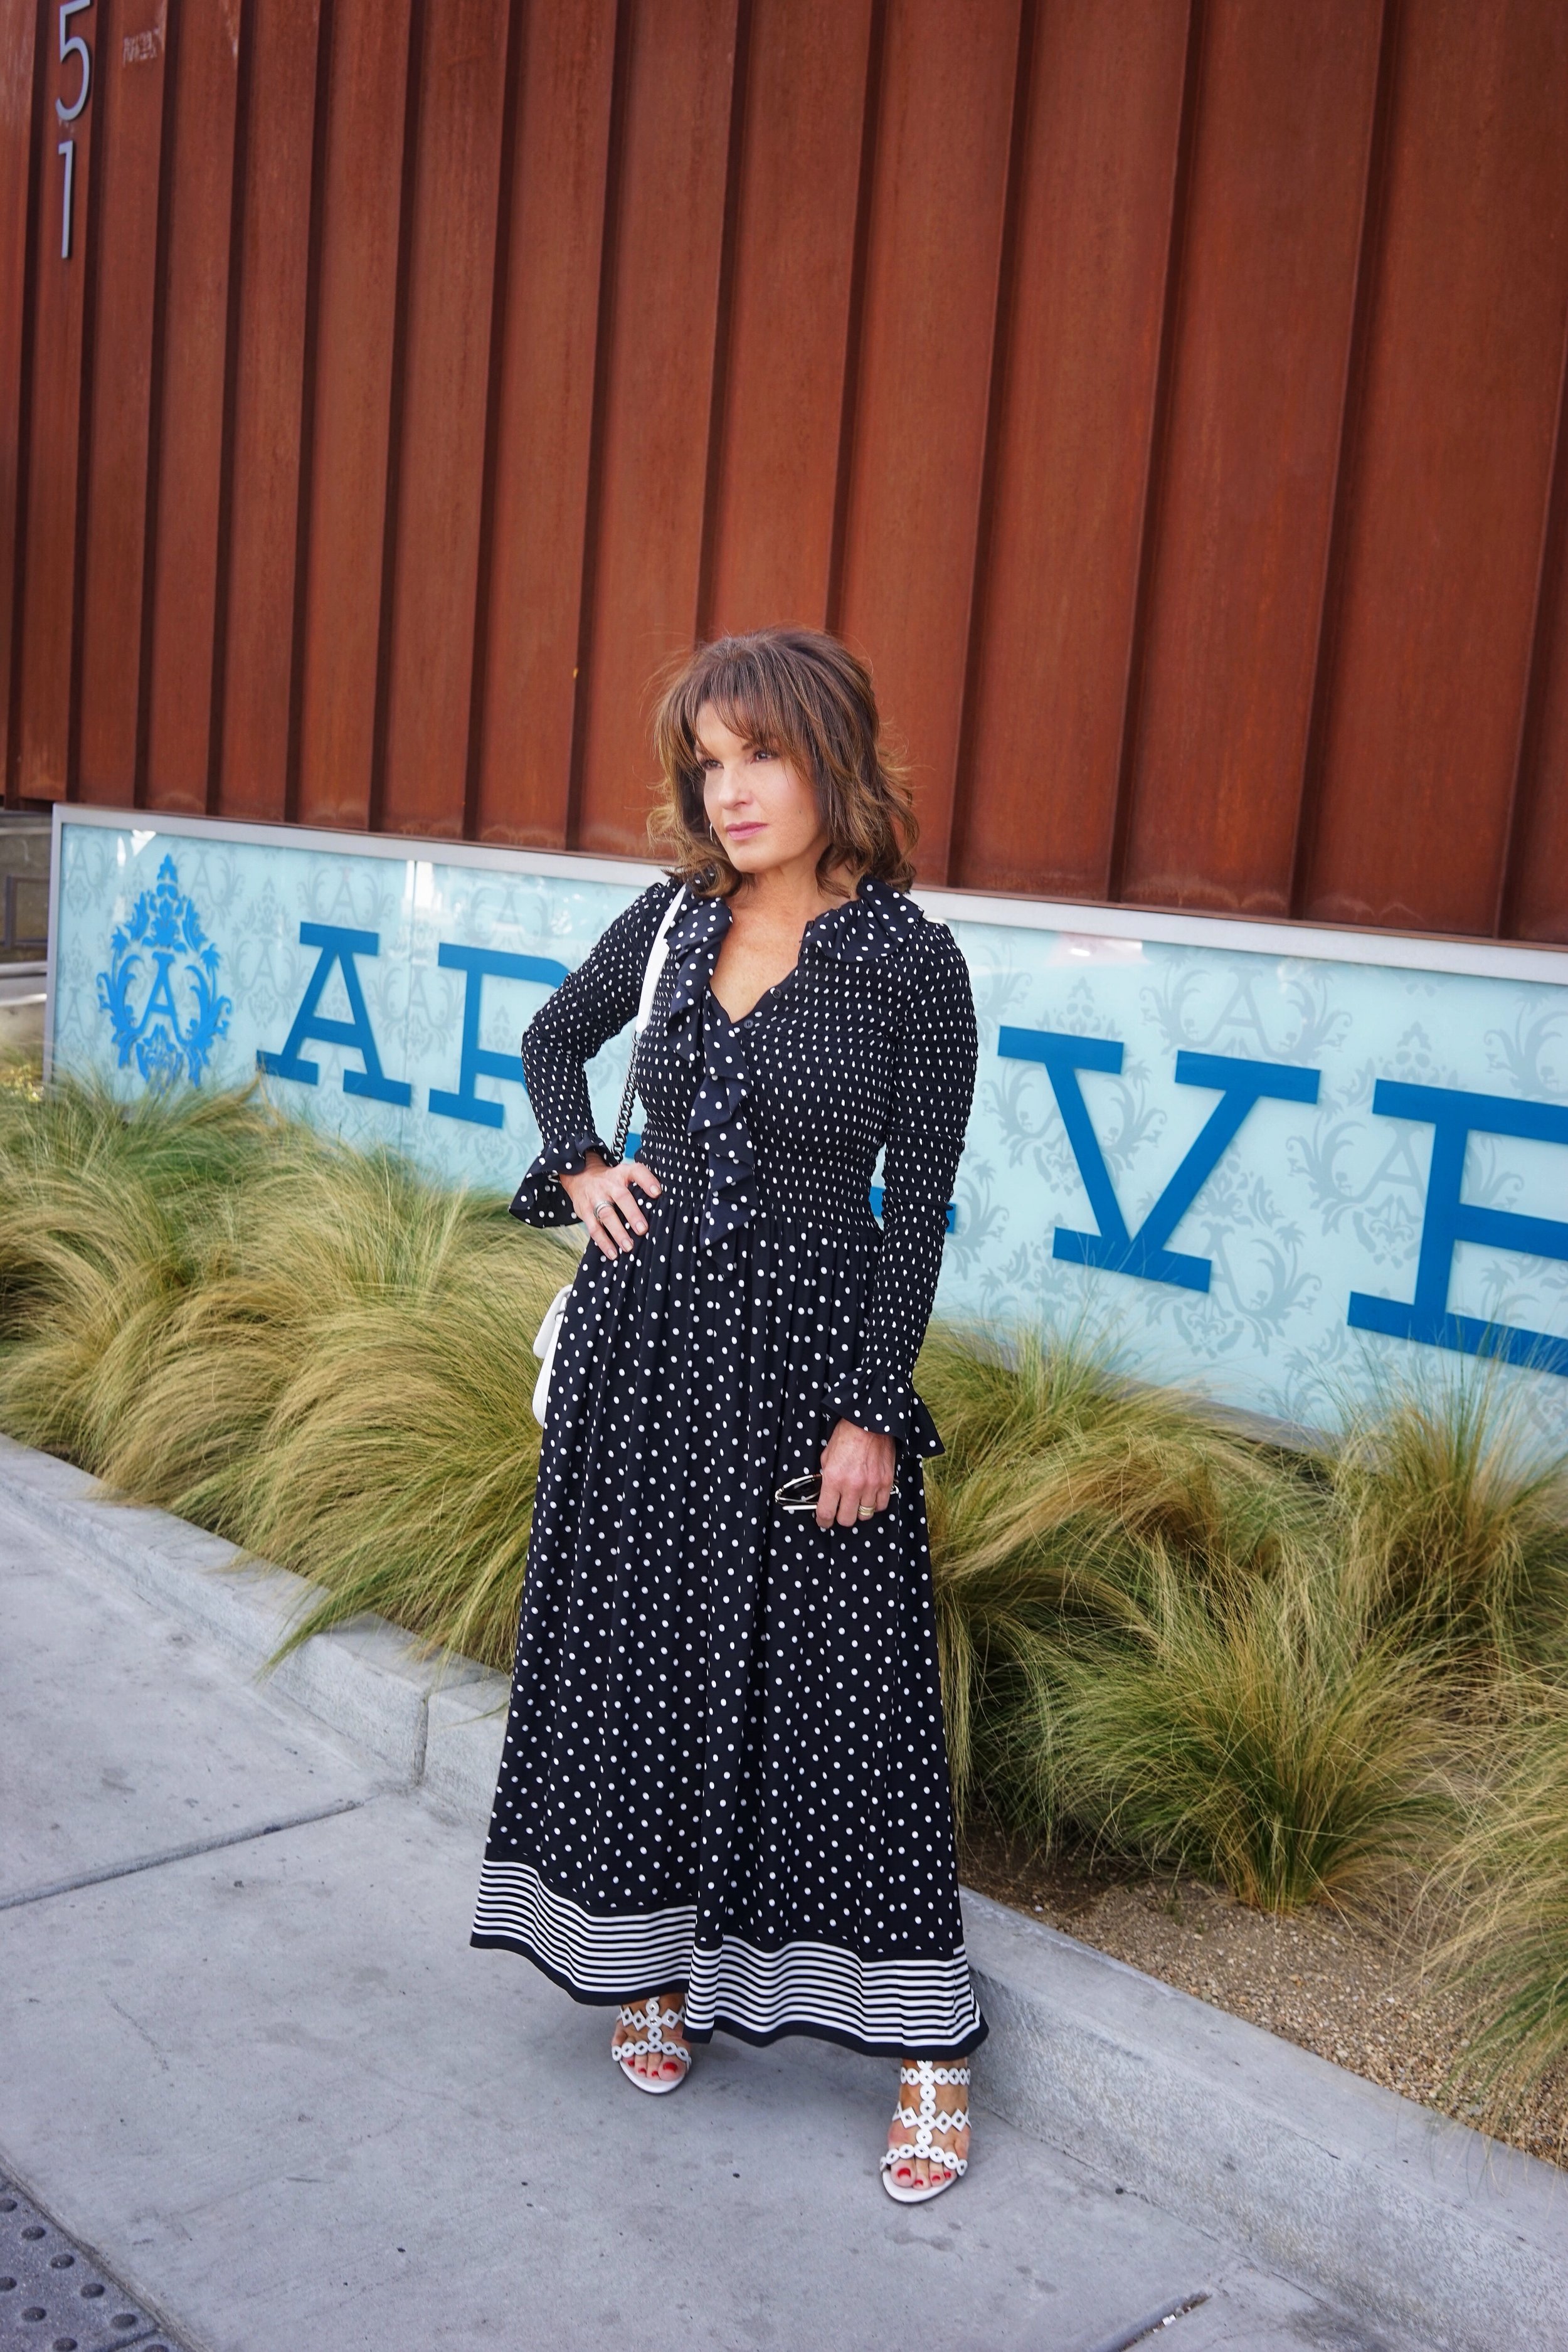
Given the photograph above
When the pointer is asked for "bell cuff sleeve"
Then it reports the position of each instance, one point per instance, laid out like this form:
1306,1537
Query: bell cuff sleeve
539,1199
891,1408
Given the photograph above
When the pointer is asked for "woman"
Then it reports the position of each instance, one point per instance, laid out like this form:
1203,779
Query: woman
724,1799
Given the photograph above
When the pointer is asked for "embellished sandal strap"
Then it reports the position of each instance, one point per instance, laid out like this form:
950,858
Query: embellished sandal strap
927,2119
652,2022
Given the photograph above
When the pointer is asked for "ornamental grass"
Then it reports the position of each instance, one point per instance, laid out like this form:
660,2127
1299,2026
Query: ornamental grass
1456,1520
1500,1894
1304,1672
1151,1637
312,1351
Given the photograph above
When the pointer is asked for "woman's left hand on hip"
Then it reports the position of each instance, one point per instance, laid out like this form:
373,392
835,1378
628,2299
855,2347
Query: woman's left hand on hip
857,1475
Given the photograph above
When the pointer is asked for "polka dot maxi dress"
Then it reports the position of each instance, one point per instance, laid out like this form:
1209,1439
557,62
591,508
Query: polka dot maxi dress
724,1766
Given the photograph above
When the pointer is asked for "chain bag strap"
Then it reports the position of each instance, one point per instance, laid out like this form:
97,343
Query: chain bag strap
623,1124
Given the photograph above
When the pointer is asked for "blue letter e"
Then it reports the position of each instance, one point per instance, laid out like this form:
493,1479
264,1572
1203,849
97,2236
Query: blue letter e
340,948
1453,1117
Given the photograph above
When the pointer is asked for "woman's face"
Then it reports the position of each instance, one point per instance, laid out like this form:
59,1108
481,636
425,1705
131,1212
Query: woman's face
762,810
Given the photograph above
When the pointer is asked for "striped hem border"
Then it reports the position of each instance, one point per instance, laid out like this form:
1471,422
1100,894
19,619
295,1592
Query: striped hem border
923,2007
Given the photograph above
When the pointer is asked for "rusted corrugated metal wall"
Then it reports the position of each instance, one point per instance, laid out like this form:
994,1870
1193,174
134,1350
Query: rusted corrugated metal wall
1166,394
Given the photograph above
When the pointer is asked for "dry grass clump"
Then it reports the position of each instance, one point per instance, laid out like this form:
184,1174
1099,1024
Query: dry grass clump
1265,1737
403,1448
1148,1635
313,1351
1299,1674
103,1218
1507,1953
1058,1479
1458,1519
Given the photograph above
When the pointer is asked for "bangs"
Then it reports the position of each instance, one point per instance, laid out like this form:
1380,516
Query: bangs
750,696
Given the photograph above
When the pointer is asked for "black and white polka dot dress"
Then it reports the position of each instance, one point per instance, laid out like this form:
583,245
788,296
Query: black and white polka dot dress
724,1766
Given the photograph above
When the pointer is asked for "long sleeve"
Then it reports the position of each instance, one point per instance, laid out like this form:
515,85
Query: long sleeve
591,1005
933,1090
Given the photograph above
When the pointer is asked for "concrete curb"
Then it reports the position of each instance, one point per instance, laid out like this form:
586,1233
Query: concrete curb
366,1678
1407,2218
1413,2223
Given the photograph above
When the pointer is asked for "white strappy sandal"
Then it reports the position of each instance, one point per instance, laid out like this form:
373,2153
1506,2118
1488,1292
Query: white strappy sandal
925,2121
652,2022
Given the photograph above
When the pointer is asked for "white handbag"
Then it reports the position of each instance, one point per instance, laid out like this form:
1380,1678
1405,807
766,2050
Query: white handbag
549,1331
544,1340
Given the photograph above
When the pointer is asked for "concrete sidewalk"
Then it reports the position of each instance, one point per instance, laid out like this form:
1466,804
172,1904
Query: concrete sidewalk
270,2087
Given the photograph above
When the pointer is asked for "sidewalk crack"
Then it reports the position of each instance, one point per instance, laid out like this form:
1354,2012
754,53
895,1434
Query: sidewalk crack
112,1870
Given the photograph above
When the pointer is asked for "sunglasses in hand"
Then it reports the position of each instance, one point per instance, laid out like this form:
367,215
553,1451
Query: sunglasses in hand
804,1494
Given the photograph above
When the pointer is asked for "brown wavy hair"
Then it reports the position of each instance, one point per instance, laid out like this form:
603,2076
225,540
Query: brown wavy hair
805,697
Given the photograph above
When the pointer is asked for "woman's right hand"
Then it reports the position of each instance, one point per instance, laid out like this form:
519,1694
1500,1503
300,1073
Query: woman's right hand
605,1201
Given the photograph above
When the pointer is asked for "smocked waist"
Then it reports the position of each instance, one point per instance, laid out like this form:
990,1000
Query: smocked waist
804,1191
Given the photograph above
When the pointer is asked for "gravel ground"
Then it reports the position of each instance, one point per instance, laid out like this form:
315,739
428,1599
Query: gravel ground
1348,1988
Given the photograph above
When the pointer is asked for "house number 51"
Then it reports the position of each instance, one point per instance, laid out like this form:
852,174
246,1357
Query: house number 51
71,45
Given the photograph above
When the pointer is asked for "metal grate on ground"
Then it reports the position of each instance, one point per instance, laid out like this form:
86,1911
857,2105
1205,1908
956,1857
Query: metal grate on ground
55,2298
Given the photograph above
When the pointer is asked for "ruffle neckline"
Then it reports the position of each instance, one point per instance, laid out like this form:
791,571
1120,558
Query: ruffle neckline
877,920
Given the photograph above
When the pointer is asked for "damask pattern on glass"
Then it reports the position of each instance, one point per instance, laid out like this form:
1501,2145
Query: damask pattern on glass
1272,1177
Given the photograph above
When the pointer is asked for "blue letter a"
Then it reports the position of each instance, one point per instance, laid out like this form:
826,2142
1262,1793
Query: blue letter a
340,948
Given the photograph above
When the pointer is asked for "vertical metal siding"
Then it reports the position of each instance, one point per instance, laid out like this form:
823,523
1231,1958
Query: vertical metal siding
1284,111
131,92
1169,399
1079,366
18,106
774,505
192,458
267,410
541,426
348,406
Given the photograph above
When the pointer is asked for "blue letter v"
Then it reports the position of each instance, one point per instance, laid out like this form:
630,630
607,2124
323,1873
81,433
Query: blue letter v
1113,1248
